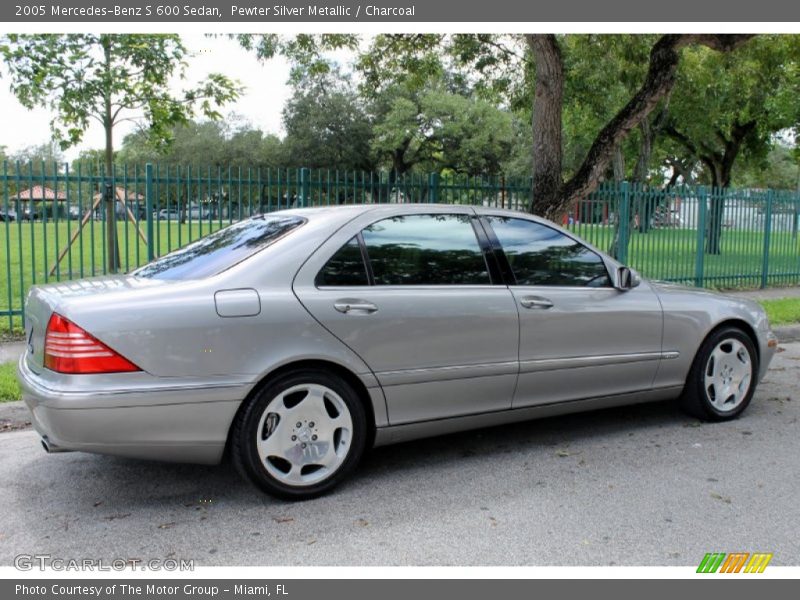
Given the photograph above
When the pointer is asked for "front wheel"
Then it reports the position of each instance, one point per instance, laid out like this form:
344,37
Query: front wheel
722,380
300,435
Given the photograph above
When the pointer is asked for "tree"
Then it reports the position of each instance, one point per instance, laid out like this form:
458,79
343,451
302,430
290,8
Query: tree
207,144
109,78
327,125
779,169
421,112
536,66
440,130
306,51
552,195
191,143
38,160
744,101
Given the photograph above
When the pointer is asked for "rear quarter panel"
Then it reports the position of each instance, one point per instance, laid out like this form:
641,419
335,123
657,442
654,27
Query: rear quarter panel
173,332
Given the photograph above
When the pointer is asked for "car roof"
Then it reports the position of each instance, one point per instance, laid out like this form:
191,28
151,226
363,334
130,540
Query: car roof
344,212
415,207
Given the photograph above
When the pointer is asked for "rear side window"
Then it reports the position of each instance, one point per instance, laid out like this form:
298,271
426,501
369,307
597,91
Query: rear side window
433,249
220,250
541,255
344,268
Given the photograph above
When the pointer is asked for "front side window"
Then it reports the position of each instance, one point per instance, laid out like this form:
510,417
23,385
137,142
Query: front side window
345,268
433,249
541,255
220,250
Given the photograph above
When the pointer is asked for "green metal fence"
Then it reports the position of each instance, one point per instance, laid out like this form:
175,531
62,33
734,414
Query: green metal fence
720,238
53,219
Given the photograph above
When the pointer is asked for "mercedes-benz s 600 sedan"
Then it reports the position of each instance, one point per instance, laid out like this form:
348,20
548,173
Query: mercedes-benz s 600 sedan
298,339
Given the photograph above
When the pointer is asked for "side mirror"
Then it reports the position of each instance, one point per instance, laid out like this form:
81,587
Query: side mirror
627,278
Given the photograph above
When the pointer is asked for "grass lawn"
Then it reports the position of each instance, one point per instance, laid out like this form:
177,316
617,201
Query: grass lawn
9,386
782,311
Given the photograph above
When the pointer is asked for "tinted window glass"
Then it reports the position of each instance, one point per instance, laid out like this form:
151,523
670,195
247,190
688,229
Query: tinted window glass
425,250
540,255
346,267
220,250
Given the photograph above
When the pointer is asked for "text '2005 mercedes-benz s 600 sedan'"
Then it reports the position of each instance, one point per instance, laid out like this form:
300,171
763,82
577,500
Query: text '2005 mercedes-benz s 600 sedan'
294,341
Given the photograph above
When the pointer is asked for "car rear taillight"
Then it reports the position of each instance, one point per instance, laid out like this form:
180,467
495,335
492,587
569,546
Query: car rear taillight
70,349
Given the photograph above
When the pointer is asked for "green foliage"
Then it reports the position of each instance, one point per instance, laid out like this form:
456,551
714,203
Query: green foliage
780,169
207,144
305,51
327,125
107,77
437,130
602,73
409,62
755,87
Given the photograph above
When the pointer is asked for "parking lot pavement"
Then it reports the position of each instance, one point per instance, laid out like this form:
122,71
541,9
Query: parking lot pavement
640,485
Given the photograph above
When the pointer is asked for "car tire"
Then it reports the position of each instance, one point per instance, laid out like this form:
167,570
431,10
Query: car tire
300,435
723,376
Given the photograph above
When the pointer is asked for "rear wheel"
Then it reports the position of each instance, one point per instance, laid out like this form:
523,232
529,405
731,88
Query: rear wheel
722,380
300,435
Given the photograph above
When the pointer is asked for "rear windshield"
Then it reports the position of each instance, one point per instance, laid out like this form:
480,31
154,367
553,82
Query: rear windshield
220,250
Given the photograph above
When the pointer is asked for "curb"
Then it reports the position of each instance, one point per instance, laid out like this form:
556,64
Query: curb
787,333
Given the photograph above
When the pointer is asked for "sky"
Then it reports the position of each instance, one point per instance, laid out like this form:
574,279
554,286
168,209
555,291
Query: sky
261,103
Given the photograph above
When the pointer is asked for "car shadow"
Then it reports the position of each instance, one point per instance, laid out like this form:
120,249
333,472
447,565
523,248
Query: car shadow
524,436
134,483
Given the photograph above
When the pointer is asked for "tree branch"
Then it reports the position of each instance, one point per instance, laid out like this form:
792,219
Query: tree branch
659,81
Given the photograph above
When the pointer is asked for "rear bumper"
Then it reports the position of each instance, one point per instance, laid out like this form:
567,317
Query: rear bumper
176,422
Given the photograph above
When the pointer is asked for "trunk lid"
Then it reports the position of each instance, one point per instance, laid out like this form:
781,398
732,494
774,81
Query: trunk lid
44,300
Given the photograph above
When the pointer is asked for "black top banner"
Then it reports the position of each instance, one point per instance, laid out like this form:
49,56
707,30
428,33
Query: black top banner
399,11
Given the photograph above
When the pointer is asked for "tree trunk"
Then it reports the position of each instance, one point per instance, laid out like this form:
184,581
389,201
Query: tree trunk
644,204
108,191
721,167
673,179
547,123
641,171
553,197
618,165
717,207
681,168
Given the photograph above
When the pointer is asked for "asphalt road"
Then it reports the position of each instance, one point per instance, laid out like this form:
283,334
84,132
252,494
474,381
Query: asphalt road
640,485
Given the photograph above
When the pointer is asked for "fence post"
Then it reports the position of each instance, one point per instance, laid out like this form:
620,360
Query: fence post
148,203
767,235
699,262
305,186
433,187
624,217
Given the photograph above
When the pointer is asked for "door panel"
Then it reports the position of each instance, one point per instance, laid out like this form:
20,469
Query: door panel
579,337
440,338
421,342
590,342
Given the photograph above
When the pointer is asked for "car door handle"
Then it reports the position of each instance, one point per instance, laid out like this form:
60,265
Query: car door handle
345,306
535,302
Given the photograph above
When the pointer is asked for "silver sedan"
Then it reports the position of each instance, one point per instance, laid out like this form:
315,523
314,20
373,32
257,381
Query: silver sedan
294,341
